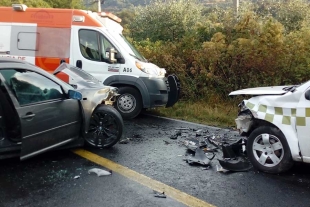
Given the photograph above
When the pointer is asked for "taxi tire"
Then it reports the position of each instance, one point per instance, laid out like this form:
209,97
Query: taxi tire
285,164
130,91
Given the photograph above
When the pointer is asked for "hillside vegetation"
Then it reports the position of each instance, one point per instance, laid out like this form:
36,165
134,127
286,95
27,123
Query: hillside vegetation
216,50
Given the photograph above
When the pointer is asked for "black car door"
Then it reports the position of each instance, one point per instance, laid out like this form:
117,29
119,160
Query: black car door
48,119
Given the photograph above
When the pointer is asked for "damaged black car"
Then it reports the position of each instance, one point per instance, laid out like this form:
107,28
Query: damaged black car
39,112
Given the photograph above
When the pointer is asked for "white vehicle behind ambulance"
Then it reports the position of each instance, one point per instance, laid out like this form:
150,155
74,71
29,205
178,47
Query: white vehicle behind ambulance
92,41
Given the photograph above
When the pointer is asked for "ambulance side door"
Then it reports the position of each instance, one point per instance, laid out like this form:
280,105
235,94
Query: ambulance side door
89,53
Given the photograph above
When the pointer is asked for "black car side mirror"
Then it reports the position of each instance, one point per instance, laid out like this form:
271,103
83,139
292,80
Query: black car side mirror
307,95
75,95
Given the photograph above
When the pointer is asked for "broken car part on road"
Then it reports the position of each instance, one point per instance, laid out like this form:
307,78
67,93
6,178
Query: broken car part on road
204,146
159,195
99,172
200,158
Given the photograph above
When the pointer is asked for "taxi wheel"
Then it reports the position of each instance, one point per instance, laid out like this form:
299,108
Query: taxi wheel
106,127
129,102
268,150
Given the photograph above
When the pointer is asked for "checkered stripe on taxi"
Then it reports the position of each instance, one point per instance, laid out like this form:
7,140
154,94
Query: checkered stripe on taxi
281,115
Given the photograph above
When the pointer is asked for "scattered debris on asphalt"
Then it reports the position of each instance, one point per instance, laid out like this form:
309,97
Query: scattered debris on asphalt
210,149
200,158
193,144
205,146
206,168
199,133
234,157
166,142
99,172
176,135
183,128
124,141
159,195
221,169
132,139
76,177
237,165
137,136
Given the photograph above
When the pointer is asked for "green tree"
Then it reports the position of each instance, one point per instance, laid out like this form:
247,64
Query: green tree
165,20
73,4
70,4
127,16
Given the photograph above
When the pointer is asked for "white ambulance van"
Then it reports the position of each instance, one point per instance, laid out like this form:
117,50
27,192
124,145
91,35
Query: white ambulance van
92,41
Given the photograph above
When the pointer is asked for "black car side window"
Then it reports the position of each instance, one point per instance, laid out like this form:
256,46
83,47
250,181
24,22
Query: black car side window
30,87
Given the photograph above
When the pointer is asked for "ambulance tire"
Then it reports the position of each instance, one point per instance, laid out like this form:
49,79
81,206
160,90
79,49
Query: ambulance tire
268,150
129,102
106,127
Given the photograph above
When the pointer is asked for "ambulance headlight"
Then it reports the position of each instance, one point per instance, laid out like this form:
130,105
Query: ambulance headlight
150,69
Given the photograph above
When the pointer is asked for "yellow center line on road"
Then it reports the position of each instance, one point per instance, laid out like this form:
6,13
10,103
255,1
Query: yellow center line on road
142,179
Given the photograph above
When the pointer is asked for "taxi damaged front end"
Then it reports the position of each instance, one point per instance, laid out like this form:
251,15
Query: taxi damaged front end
245,119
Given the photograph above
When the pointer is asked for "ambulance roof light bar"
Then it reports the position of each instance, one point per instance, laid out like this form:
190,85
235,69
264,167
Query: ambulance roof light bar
111,16
19,7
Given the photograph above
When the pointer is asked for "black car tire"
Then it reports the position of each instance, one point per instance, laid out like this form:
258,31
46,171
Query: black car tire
105,122
129,102
268,150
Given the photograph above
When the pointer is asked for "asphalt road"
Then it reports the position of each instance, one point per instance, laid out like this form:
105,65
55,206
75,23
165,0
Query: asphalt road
48,180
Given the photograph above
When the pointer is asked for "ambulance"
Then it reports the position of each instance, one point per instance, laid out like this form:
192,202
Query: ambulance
92,41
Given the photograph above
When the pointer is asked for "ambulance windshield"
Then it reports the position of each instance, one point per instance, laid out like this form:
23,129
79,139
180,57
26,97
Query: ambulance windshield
132,50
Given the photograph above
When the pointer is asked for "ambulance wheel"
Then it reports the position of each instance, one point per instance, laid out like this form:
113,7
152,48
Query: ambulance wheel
268,150
129,102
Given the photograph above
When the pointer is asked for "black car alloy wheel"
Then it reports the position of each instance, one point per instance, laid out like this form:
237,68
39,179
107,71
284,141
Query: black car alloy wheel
106,127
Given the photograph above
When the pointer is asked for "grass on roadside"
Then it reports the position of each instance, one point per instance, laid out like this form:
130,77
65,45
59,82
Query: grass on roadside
221,115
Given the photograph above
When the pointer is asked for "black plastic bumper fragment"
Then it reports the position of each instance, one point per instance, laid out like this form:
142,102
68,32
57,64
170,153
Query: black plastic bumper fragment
199,158
174,88
234,158
238,165
193,144
232,150
159,195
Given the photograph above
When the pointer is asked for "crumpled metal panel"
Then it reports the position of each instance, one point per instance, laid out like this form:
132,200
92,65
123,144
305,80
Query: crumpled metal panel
92,97
93,91
244,122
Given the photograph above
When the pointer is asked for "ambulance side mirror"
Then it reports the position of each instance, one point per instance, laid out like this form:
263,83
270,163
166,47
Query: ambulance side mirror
119,58
110,55
307,95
